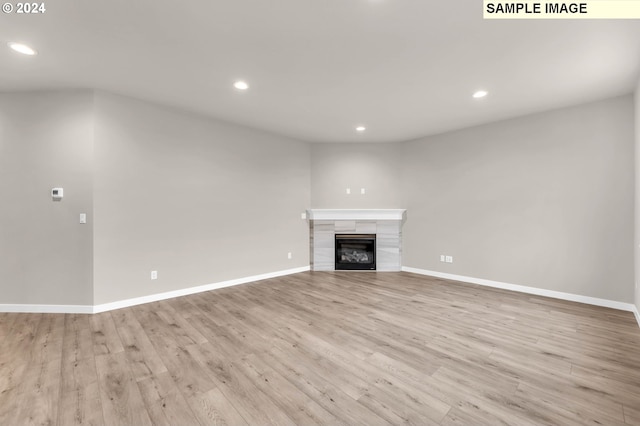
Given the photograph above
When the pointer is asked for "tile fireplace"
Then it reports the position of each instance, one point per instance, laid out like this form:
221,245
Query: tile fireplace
330,230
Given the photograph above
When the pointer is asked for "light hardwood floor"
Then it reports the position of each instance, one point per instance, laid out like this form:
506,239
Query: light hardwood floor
326,348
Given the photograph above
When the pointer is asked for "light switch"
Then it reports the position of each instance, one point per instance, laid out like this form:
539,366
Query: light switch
83,218
362,191
348,190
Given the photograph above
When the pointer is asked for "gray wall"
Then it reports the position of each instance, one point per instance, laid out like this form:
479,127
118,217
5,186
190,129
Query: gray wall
375,167
543,201
46,141
198,200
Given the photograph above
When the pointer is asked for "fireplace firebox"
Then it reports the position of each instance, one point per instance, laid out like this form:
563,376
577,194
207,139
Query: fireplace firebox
355,252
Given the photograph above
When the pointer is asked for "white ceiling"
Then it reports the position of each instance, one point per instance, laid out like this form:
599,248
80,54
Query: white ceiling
318,68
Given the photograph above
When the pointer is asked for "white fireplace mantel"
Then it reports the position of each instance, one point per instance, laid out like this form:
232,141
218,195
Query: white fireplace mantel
356,214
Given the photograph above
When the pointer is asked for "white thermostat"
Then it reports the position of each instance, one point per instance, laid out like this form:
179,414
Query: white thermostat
57,194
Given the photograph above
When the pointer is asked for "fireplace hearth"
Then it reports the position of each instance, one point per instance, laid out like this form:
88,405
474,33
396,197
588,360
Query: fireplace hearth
355,252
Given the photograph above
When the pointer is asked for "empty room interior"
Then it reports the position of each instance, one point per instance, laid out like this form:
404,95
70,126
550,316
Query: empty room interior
354,212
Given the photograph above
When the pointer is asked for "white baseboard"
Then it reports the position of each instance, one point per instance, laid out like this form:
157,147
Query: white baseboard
89,309
530,290
47,309
192,290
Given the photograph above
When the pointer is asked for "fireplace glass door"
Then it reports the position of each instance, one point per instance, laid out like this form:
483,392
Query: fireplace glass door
355,252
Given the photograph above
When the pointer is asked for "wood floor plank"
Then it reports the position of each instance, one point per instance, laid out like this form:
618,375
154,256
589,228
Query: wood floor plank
323,391
397,409
39,394
185,334
213,408
335,348
164,402
39,390
568,413
77,341
377,379
492,403
632,415
298,406
190,376
17,345
6,323
122,403
231,379
575,397
144,360
471,415
104,334
20,337
80,402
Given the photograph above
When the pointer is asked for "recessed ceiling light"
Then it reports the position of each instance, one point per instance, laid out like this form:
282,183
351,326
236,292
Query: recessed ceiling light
22,48
360,129
480,94
240,85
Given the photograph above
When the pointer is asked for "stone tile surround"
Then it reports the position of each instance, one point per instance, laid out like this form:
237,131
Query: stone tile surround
385,223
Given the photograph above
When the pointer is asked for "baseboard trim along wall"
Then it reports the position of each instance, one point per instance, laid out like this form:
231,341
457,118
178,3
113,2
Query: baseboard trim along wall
192,290
530,290
88,309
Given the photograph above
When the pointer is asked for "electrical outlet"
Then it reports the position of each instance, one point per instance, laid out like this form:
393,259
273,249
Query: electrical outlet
442,258
348,191
154,275
289,255
303,216
362,191
449,259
